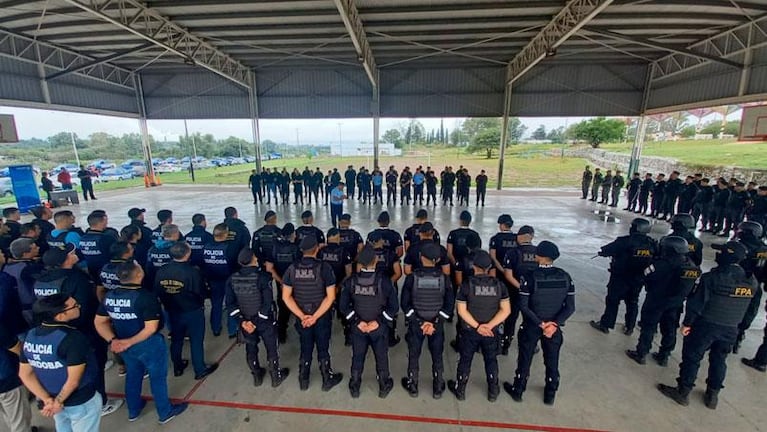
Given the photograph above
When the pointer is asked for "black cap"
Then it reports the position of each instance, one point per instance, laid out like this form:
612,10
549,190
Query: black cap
56,256
367,255
375,236
426,227
135,212
383,217
421,214
505,219
482,259
288,229
346,217
333,232
431,251
308,243
270,214
547,249
306,214
526,229
465,216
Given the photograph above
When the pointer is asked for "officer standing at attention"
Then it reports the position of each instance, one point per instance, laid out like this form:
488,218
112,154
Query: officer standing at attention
351,240
58,366
459,238
388,264
284,254
298,186
483,305
717,304
412,260
341,261
239,235
481,181
617,185
644,193
755,264
166,218
309,291
683,225
427,301
547,300
668,282
120,252
448,184
586,182
180,288
431,188
265,237
308,229
598,177
391,185
405,181
254,182
607,184
369,303
218,263
630,255
412,235
377,178
145,242
95,243
249,300
350,175
633,192
502,242
392,241
197,238
129,319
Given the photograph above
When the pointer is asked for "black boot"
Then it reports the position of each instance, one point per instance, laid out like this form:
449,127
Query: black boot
410,383
258,376
678,394
711,398
303,375
458,388
516,389
660,358
330,379
277,373
385,385
354,384
636,356
493,388
550,392
438,385
597,325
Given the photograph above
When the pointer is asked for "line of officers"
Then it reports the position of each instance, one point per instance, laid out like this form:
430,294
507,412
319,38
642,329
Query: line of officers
718,306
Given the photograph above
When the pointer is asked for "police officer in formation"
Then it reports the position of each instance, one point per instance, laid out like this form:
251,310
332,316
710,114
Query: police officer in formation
547,300
458,239
426,234
250,301
159,254
219,260
388,264
95,243
308,229
683,225
754,264
265,237
197,238
369,303
412,235
518,262
427,301
341,261
284,253
630,255
350,239
586,181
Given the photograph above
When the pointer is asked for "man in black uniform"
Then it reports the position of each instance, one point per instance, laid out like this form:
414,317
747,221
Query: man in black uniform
239,235
412,261
180,288
481,181
427,301
758,211
671,194
341,261
197,238
388,263
735,209
644,193
254,182
598,177
351,240
219,259
95,243
717,304
250,301
298,186
483,305
687,196
755,264
316,184
412,235
265,237
458,239
284,253
391,239
405,181
633,192
309,291
431,188
502,242
166,218
448,183
369,302
607,184
547,300
518,262
718,207
586,181
43,215
630,255
308,229
683,225
701,204
350,175
617,185
391,185
668,282
146,241
658,191
120,253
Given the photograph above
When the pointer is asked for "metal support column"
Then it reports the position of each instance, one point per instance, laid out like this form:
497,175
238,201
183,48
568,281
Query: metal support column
748,60
143,128
636,150
43,81
376,121
504,133
253,105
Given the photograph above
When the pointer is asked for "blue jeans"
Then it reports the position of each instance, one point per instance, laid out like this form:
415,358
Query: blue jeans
217,294
85,417
150,355
190,323
336,210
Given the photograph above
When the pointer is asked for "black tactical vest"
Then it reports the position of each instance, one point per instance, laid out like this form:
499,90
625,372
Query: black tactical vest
428,292
484,298
728,297
245,288
689,273
308,286
284,255
755,258
549,292
367,296
384,264
640,253
526,263
266,240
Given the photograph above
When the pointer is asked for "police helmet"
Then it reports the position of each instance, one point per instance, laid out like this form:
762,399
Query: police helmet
751,227
640,226
674,245
683,220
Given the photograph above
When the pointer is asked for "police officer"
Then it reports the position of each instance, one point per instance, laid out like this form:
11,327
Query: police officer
298,186
633,192
755,264
145,241
265,237
249,300
239,235
180,288
598,177
369,303
617,185
481,181
166,218
668,281
23,265
483,305
351,240
586,181
197,238
630,255
717,304
547,300
427,301
391,185
644,193
388,263
683,225
129,319
502,242
218,263
392,240
519,262
448,184
43,215
254,182
350,175
284,253
412,235
120,253
159,254
735,208
95,243
458,239
412,261
58,366
341,262
405,181
308,229
431,188
607,183
66,231
309,291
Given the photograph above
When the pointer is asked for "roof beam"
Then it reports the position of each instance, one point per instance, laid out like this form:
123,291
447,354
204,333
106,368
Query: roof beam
569,20
664,47
134,17
353,23
100,61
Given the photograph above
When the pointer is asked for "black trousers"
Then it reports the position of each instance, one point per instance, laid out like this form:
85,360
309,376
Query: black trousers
418,193
605,193
717,218
643,199
447,195
529,336
656,313
298,195
266,332
283,314
510,324
701,211
317,336
481,192
594,192
470,341
585,189
257,196
616,195
622,288
391,193
436,343
403,194
87,190
705,336
761,353
378,340
350,188
733,217
431,195
633,199
314,190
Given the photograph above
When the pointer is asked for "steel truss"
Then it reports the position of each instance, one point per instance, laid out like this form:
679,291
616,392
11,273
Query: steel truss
353,24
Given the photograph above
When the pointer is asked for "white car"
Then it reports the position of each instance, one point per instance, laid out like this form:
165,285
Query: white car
115,174
166,168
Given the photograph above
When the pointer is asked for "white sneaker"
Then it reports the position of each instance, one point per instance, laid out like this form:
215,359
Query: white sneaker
108,365
111,406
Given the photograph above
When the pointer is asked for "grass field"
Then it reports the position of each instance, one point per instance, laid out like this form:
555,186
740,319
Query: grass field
704,152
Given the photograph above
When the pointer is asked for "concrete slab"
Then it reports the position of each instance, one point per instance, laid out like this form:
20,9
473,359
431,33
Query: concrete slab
601,388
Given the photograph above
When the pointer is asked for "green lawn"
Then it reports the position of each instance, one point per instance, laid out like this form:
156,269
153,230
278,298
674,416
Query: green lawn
703,152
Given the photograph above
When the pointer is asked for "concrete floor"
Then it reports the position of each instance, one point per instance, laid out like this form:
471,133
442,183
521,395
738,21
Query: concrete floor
601,388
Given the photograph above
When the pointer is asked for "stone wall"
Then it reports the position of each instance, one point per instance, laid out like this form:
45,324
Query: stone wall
653,164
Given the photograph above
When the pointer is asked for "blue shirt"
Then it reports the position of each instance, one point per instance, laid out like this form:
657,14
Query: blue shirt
337,197
418,178
377,179
72,237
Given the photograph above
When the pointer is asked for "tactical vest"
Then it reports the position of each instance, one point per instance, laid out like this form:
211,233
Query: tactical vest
284,256
214,260
484,298
266,239
689,273
349,240
755,258
246,289
26,291
90,245
526,263
428,293
120,305
196,241
550,290
156,235
383,264
48,288
109,278
729,295
333,254
640,253
308,286
367,296
41,351
57,241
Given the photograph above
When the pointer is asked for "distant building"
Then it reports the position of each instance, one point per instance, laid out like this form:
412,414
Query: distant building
365,149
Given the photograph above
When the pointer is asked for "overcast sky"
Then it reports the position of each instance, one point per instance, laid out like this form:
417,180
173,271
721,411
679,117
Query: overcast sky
34,123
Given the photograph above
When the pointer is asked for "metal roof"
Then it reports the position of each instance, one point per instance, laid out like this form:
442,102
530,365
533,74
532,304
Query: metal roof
433,57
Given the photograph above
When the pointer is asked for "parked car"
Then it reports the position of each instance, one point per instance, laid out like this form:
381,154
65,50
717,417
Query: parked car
166,168
114,174
102,164
72,168
6,187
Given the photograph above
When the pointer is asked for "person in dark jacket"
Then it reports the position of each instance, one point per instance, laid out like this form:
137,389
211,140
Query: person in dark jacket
86,182
617,185
239,235
670,195
598,178
735,209
644,193
701,204
658,195
586,181
197,238
687,195
146,240
607,184
43,216
718,206
219,261
634,187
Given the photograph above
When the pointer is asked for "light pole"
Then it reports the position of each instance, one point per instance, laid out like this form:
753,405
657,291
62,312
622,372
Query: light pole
74,147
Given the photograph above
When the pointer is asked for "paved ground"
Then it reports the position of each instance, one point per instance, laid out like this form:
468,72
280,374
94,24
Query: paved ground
601,388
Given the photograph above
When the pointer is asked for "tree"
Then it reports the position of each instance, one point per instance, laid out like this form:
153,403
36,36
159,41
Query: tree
485,140
392,136
556,135
516,130
539,134
598,130
414,133
268,146
473,126
458,138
